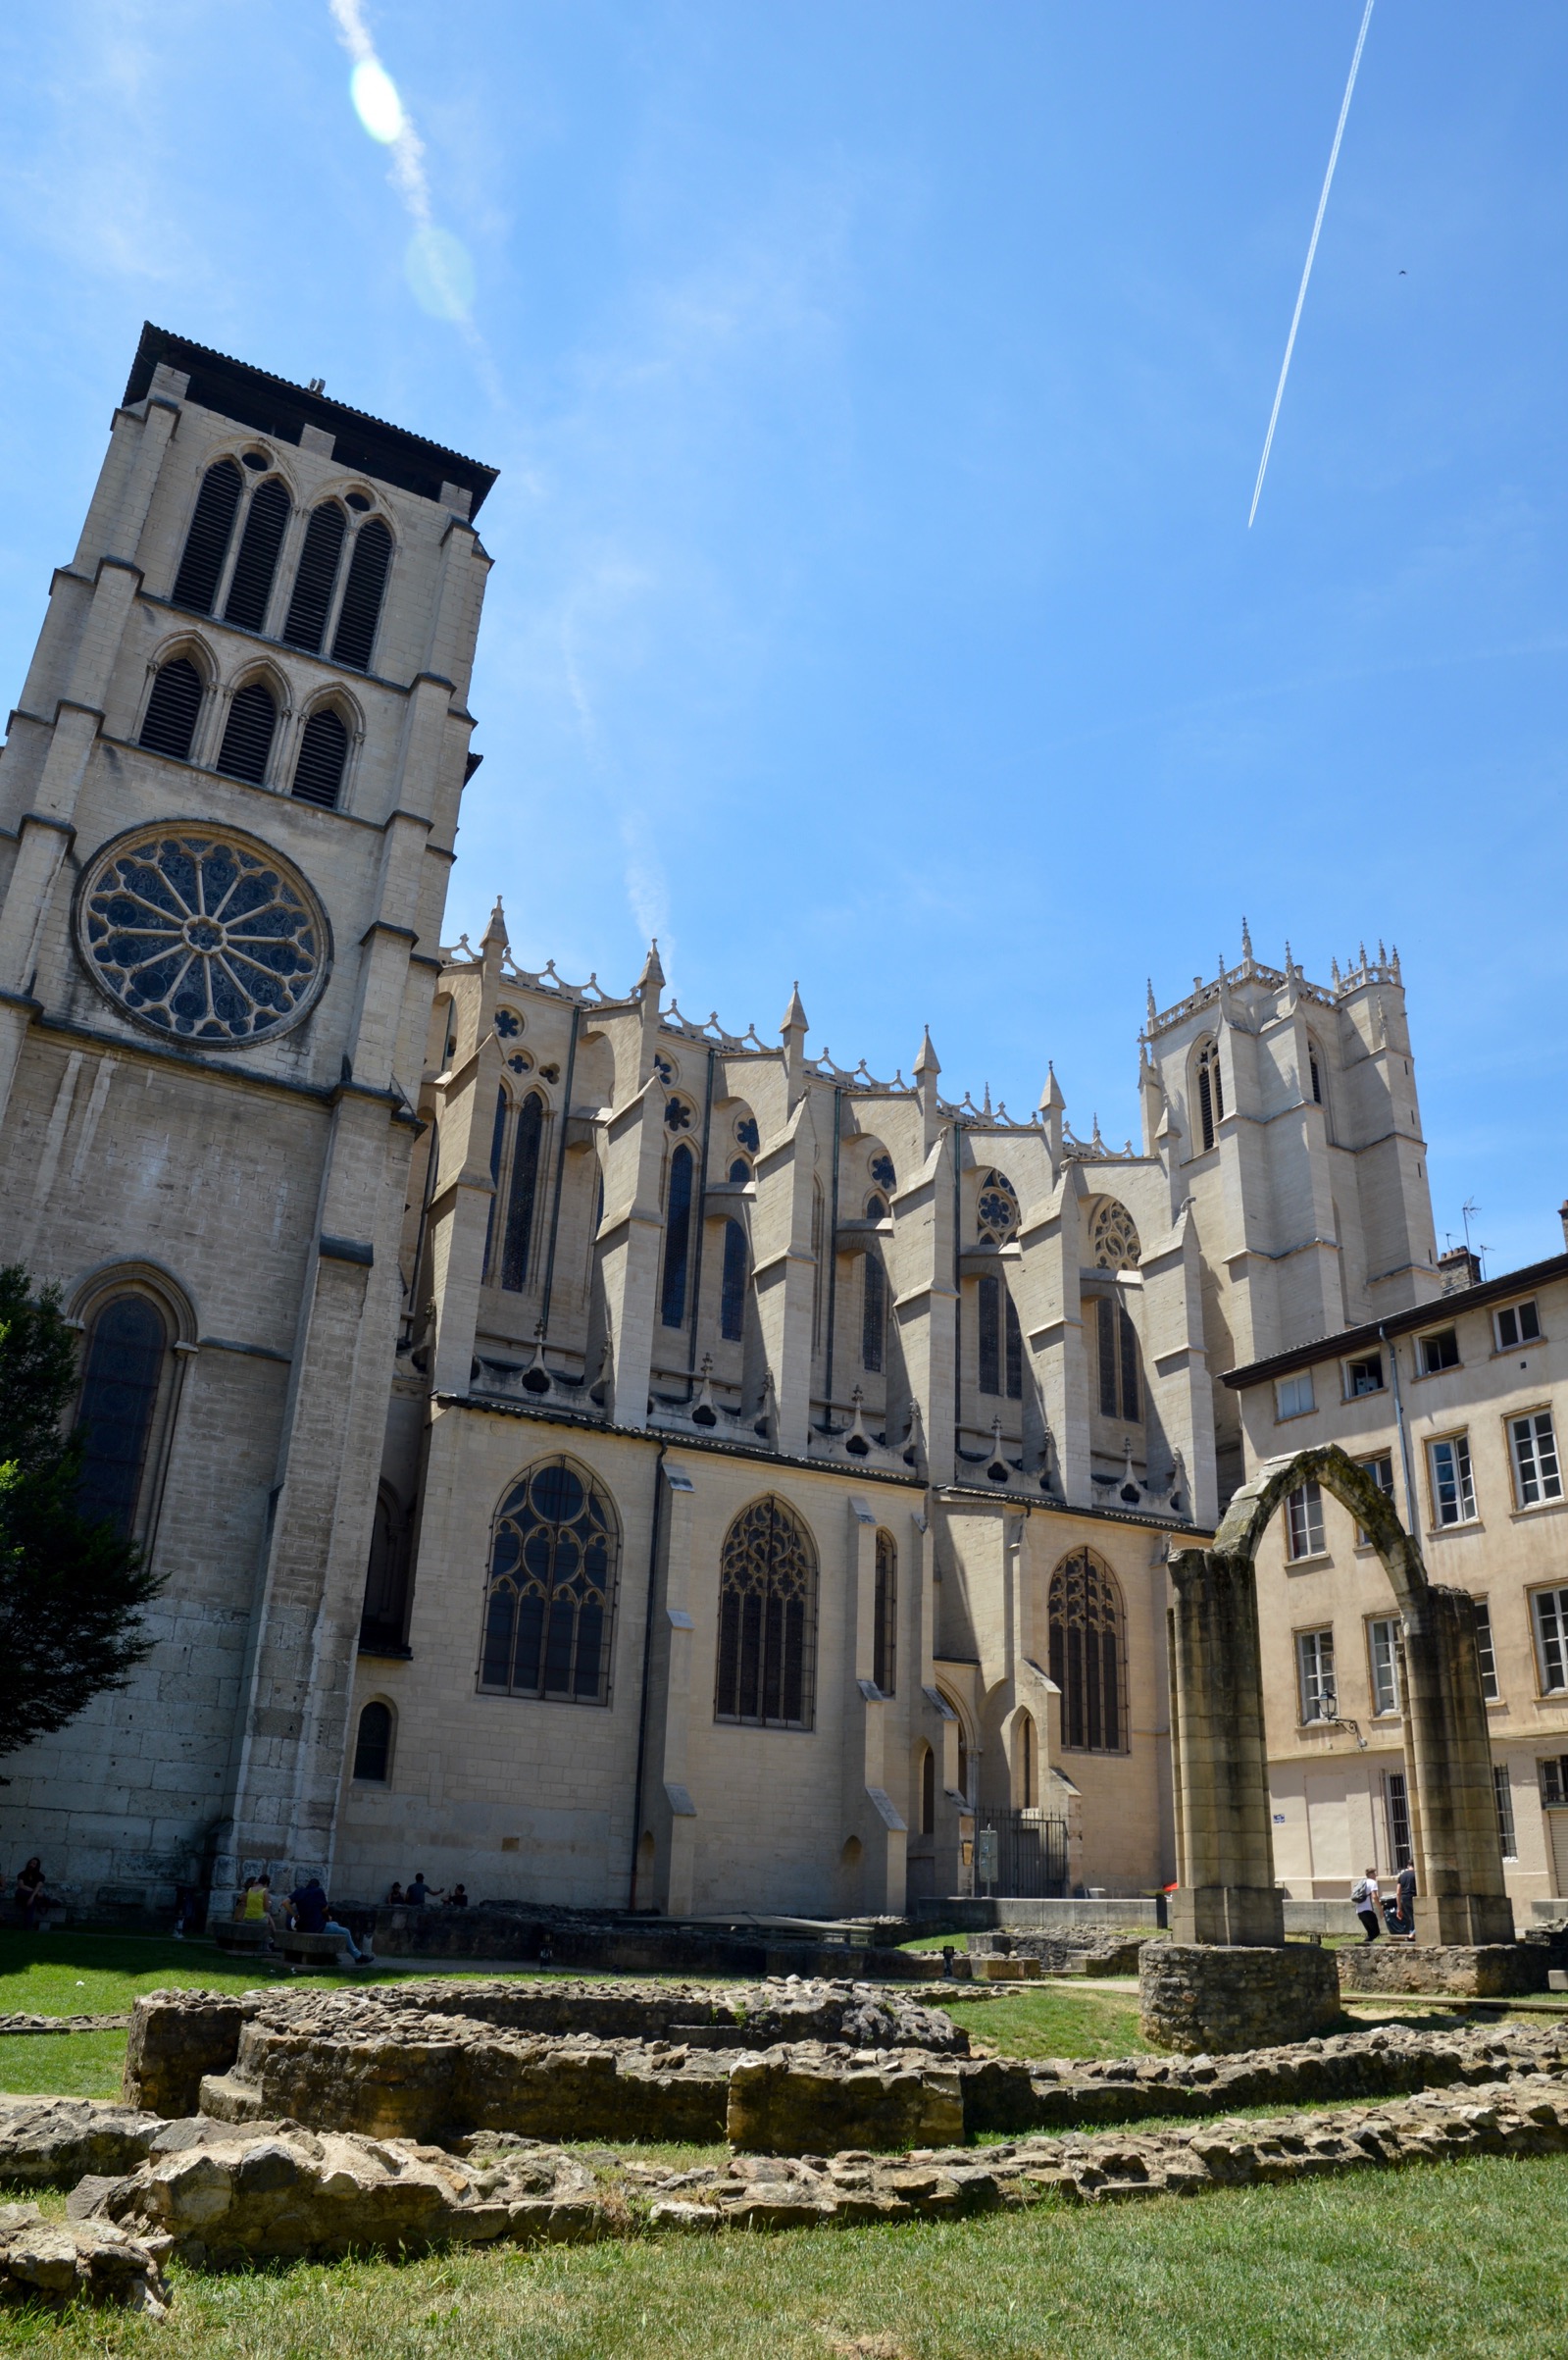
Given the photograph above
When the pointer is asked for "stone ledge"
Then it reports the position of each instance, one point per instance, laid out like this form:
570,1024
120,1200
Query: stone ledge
1478,1969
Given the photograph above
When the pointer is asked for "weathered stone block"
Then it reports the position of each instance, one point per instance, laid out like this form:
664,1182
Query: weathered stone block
783,2104
1204,1999
1484,1970
178,2036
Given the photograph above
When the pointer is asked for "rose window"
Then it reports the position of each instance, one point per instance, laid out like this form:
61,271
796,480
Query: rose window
202,936
997,1209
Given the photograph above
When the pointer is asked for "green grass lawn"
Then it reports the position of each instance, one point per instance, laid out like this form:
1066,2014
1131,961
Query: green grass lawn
1053,2019
1467,2258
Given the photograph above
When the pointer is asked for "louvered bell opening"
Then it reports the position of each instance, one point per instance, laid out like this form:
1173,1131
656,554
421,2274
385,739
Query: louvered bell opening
248,738
322,753
257,562
312,583
172,709
362,596
207,543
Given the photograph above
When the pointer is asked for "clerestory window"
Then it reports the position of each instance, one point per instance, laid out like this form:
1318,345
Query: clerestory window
767,1620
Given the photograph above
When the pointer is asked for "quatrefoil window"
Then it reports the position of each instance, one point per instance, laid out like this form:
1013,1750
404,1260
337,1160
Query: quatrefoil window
678,1114
201,935
997,1209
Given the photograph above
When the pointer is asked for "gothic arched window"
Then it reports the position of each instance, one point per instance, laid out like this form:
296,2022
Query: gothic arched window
550,1603
315,578
251,585
355,635
677,1238
1028,1763
732,1285
1116,1353
873,1316
515,1242
383,1618
207,543
885,1616
323,758
1210,1092
991,1333
767,1620
122,1372
1315,1071
1113,1240
174,709
248,734
373,1747
1086,1652
927,1791
997,1211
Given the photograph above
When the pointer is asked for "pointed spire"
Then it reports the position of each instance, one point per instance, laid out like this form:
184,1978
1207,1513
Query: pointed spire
1154,1011
1363,959
1051,1100
495,933
650,982
1393,962
1334,970
794,1015
1383,955
986,1108
927,1061
1289,963
1246,939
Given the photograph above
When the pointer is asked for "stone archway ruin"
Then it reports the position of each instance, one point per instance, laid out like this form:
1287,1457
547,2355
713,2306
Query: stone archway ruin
1223,1839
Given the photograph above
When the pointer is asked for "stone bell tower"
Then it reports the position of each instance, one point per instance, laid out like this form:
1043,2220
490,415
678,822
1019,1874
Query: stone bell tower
228,803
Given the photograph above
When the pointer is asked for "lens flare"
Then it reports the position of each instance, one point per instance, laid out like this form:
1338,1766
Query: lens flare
375,100
440,272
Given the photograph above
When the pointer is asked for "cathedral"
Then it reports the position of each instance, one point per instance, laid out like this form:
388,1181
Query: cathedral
590,1454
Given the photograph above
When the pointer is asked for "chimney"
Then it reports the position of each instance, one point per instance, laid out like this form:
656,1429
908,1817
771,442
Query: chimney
1562,1216
1459,1267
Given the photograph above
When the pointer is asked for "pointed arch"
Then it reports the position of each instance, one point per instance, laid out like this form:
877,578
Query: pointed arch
322,756
363,594
316,578
1208,1090
372,1743
526,1140
767,1620
207,540
1088,1653
249,728
549,1607
885,1616
677,1236
733,1284
174,707
250,586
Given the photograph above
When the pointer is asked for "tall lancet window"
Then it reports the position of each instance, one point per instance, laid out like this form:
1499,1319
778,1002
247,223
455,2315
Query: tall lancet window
1210,1093
873,1317
732,1289
521,1194
678,1238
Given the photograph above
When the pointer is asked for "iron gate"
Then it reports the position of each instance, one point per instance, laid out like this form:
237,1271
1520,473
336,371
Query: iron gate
1030,1854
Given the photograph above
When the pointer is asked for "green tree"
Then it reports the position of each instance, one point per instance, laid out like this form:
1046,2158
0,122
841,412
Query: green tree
71,1589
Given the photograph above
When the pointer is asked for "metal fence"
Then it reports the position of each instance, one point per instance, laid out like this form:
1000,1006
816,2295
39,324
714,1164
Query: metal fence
1030,1854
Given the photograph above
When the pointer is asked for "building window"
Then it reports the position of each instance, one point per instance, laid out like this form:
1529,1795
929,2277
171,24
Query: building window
1117,1352
383,1618
1028,1764
1551,1637
874,1315
1396,1814
1294,1396
1088,1653
991,1334
885,1619
677,1238
1314,1660
1553,1780
927,1791
1439,1352
322,758
1113,1239
767,1620
1304,1521
1363,1376
314,579
1014,1349
1503,1791
1486,1652
1380,1470
266,521
519,1232
551,1601
1454,1490
207,543
373,1748
1383,1647
169,724
1537,1475
997,1211
1519,1323
363,592
819,1256
122,1373
732,1285
1210,1093
248,734
1315,1072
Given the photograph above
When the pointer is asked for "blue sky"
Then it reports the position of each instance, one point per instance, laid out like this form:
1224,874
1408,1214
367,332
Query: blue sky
878,392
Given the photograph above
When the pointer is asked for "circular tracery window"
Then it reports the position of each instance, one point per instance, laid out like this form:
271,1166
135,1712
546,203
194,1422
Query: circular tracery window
202,935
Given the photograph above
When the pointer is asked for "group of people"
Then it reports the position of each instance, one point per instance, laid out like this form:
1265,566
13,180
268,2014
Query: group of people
1398,1913
420,1896
306,1910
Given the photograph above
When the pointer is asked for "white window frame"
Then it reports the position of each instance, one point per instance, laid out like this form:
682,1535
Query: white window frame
1460,1483
1548,1611
1363,1539
1534,1457
1303,1523
1551,1769
1367,1359
1517,1312
1318,1695
1435,1335
1502,1792
1486,1649
1383,1663
1288,1393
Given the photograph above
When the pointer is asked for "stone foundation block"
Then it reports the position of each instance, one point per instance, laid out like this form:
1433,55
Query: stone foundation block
1480,1970
784,2105
1207,2000
176,2038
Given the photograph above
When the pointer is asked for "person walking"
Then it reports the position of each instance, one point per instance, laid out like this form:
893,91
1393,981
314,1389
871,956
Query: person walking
1368,1903
1405,1892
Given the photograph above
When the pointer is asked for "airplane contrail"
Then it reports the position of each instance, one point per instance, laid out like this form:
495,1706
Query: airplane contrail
1296,316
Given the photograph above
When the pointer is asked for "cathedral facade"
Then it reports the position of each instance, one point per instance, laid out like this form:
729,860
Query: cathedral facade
591,1454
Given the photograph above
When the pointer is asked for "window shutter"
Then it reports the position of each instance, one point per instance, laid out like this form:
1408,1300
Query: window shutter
362,598
207,542
172,709
323,754
248,734
314,580
257,562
